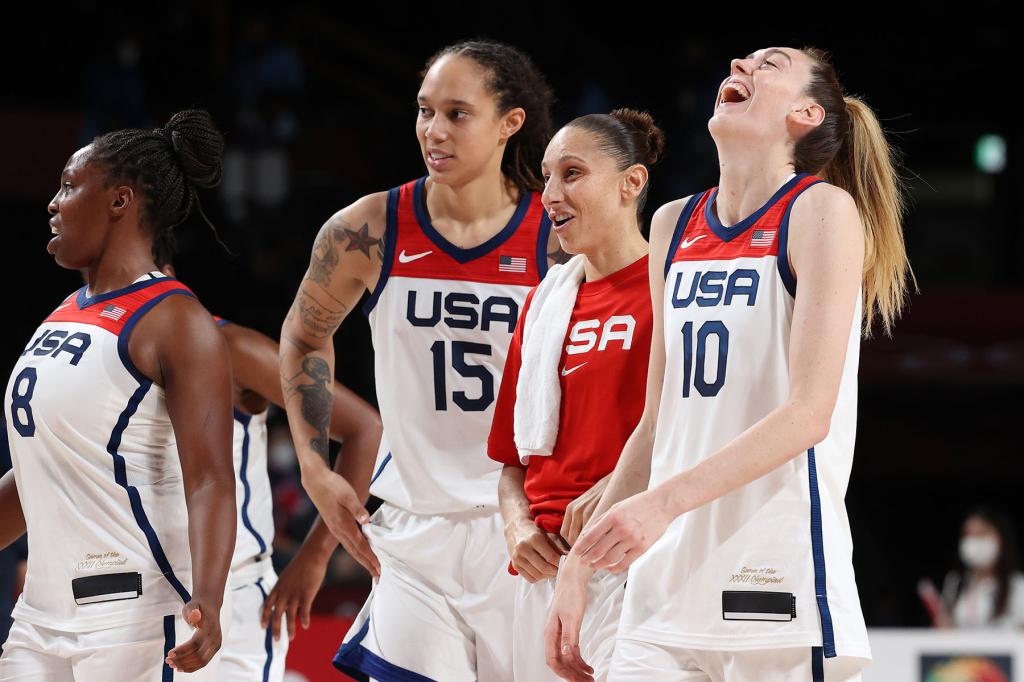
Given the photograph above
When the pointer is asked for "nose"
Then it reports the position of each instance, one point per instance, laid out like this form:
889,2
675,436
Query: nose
552,193
741,66
52,208
437,130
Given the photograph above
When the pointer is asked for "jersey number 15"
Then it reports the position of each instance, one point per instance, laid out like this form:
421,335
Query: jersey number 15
460,349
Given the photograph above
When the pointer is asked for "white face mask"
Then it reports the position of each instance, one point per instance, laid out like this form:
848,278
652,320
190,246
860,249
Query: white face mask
979,551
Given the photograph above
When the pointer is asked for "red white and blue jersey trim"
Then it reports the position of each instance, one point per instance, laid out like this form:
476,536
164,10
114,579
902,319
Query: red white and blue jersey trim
442,318
90,436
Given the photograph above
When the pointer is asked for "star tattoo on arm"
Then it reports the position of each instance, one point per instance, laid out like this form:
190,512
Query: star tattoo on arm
360,240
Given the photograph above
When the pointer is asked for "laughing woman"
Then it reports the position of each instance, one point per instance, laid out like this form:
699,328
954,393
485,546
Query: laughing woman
584,335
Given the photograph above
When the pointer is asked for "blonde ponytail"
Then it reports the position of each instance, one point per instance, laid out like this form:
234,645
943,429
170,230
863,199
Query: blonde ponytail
850,151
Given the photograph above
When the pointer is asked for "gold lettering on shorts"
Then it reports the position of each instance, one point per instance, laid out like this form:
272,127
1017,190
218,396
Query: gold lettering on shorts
764,575
98,561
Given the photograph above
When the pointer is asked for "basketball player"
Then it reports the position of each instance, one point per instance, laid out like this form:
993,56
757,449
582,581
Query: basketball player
119,422
254,649
739,553
448,260
596,177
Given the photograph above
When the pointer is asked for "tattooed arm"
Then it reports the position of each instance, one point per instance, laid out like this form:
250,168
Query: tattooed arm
345,262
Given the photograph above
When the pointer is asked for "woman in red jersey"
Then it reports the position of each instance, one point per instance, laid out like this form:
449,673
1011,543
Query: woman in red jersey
597,308
448,260
727,503
119,420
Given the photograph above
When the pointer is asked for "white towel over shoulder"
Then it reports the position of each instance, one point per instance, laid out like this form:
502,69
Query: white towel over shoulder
538,391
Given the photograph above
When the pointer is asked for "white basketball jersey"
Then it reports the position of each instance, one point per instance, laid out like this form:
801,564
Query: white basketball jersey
441,319
97,469
768,565
252,490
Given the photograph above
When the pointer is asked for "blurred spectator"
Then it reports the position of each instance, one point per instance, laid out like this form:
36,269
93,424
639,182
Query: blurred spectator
985,589
117,92
267,77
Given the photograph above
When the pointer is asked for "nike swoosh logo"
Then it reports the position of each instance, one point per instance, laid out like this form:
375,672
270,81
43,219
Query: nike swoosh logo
687,243
566,371
402,258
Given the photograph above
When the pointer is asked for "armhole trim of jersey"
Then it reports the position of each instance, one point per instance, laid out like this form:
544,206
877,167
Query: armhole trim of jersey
681,223
543,235
782,260
129,327
390,239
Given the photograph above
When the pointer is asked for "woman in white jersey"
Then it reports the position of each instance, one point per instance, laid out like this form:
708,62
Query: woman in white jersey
448,260
119,423
254,648
727,504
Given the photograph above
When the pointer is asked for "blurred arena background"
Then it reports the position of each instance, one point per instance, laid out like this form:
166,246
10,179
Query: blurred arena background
318,110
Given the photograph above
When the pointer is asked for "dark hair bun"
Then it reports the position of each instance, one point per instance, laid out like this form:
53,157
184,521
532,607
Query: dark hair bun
198,145
648,137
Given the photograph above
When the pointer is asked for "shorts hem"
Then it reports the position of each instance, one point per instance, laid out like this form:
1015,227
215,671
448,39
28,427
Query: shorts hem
360,663
734,643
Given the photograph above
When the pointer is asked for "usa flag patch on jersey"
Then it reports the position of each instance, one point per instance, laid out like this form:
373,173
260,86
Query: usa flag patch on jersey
511,264
762,237
113,312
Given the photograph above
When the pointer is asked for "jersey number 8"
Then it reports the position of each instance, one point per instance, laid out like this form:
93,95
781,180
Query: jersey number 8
21,410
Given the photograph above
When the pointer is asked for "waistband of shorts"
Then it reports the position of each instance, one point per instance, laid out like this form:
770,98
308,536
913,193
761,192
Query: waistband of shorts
249,571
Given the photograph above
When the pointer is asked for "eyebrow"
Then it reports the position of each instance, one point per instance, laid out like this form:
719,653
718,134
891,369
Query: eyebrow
770,52
453,102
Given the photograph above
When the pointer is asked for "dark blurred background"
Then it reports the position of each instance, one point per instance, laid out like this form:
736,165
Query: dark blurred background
318,109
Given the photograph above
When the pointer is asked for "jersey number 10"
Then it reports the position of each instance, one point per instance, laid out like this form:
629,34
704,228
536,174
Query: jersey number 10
460,349
694,363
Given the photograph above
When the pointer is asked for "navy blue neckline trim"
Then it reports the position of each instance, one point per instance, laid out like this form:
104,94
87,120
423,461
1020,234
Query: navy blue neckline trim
680,229
390,240
85,301
727,234
419,202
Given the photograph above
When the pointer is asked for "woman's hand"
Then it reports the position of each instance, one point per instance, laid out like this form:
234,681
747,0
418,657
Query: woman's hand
625,532
565,616
580,510
534,556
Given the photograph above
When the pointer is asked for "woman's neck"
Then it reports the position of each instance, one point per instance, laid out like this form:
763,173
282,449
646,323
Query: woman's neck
478,201
122,262
749,175
613,255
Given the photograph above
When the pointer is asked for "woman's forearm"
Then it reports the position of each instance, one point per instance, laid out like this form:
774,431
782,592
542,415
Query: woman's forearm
784,433
632,472
211,532
512,501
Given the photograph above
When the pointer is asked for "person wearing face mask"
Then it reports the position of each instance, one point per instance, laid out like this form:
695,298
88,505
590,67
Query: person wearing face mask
727,503
586,328
985,589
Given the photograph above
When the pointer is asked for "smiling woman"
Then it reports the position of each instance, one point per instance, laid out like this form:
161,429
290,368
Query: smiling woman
727,505
447,259
596,171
